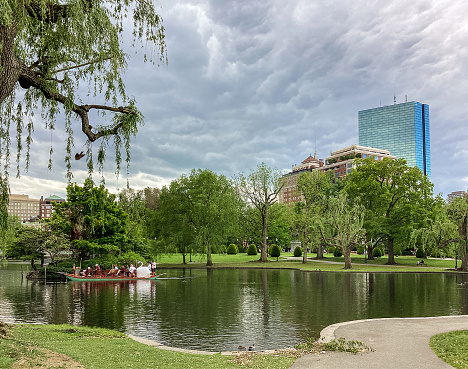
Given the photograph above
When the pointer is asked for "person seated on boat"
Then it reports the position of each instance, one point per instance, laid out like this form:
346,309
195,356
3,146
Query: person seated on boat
89,271
97,270
123,271
131,271
153,267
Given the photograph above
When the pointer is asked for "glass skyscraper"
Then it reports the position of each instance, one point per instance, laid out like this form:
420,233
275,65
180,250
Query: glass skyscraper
403,129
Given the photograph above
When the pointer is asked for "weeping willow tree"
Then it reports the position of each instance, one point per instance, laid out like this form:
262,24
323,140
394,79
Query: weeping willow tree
50,50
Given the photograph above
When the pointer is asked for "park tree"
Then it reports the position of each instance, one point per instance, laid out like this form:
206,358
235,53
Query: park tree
394,196
200,209
439,231
259,189
8,236
458,213
54,51
342,225
315,188
92,220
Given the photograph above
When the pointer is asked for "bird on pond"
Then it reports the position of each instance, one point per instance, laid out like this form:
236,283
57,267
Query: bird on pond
252,348
242,348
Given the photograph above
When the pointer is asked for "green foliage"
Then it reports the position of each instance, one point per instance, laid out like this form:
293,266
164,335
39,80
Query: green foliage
331,250
275,251
252,250
131,257
92,219
232,249
222,249
297,251
59,47
420,253
378,252
361,249
198,211
337,253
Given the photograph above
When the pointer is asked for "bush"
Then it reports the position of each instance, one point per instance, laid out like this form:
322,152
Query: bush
275,251
360,250
378,252
420,254
298,251
252,250
331,250
337,253
232,249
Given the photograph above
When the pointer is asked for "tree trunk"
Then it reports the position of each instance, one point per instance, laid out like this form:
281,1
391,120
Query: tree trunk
347,257
370,252
209,261
183,258
320,251
304,253
263,251
10,67
391,259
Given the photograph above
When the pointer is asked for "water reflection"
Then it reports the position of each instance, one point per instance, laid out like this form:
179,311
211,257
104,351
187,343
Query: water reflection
218,310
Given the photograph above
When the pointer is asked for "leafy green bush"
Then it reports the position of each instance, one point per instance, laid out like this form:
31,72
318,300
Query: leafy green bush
222,249
252,250
360,250
298,251
337,253
275,251
420,254
331,250
378,252
232,249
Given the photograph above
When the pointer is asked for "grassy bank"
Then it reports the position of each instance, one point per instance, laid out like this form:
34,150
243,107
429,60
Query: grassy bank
452,348
66,346
329,263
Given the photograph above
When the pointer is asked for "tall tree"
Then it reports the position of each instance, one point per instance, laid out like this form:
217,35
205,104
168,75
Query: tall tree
315,187
260,189
458,212
52,50
203,207
394,195
342,225
92,219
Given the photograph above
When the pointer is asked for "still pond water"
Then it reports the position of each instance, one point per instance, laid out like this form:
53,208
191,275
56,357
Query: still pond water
218,310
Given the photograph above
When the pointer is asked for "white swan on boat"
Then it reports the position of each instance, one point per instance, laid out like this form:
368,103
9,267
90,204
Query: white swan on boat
142,271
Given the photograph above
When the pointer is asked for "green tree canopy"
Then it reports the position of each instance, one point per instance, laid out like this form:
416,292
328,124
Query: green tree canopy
458,213
92,219
394,196
200,209
57,50
259,190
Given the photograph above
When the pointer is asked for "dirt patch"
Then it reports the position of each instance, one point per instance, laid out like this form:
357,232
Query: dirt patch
3,329
51,360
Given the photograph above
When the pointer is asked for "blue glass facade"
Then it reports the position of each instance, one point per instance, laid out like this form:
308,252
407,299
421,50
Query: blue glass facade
403,129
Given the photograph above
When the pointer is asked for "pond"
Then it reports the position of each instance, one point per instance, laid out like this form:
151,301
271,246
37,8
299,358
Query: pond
220,309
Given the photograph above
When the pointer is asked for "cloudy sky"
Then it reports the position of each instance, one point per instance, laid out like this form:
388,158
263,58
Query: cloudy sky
251,81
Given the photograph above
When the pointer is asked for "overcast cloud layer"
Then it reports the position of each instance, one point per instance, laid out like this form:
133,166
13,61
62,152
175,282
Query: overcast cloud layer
253,81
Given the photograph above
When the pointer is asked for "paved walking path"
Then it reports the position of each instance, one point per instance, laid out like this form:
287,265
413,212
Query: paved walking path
397,343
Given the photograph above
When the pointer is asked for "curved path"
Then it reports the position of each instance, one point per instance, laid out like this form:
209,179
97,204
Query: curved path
397,343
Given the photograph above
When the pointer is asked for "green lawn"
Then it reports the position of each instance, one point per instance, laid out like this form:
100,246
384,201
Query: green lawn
452,348
242,260
102,348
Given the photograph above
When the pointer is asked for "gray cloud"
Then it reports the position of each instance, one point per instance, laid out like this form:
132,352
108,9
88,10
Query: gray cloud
252,81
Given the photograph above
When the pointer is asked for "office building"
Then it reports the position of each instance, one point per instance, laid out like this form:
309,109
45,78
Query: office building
455,194
340,162
402,129
23,207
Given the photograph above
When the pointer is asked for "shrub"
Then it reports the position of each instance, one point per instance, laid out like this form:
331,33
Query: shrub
420,254
331,250
252,250
232,249
275,251
298,251
337,253
378,252
360,250
222,249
